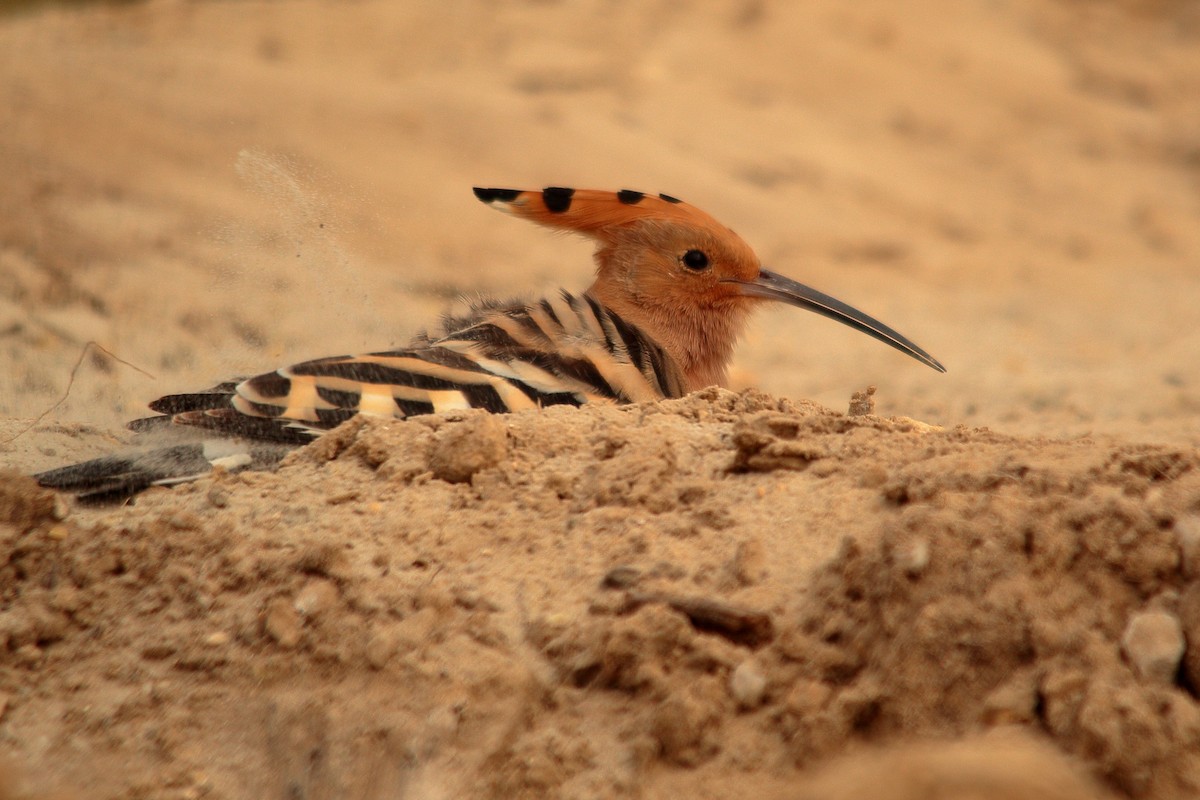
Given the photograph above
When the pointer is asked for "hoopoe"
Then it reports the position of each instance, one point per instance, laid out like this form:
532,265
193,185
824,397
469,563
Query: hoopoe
673,291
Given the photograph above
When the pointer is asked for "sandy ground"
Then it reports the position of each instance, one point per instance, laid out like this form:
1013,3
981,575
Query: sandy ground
988,588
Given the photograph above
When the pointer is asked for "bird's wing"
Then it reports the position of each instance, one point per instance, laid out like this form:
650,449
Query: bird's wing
506,357
501,357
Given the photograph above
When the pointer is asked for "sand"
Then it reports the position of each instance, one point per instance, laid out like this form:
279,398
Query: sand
979,584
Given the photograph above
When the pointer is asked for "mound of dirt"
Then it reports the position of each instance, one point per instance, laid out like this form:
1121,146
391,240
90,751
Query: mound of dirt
615,601
729,595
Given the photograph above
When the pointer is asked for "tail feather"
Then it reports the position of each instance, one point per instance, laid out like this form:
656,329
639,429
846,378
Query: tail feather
230,422
116,478
127,474
214,397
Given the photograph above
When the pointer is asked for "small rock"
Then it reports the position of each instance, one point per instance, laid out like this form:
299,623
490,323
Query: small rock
316,597
61,510
623,576
380,649
184,521
1187,529
872,476
1189,617
475,444
748,685
915,558
23,504
48,625
1153,642
282,623
67,599
749,563
218,496
862,403
686,724
218,639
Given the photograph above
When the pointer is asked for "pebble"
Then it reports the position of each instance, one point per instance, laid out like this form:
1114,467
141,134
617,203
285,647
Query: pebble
217,639
1187,530
1153,642
682,726
1189,617
748,685
622,576
282,623
380,649
749,563
184,521
67,599
916,557
218,496
315,598
61,510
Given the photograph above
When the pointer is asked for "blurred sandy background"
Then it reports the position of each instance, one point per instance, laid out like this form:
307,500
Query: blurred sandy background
209,189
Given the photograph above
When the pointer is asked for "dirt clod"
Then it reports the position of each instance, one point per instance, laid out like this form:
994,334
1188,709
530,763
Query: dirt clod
465,448
686,724
282,623
25,505
1153,643
315,598
862,402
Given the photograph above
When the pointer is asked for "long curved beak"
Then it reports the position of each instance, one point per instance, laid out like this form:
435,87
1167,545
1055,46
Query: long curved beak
772,286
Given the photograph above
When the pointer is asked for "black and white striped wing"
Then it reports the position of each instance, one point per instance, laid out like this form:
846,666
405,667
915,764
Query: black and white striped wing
569,344
317,395
565,350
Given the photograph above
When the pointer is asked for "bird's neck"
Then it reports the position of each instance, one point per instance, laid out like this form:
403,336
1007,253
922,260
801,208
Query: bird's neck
700,341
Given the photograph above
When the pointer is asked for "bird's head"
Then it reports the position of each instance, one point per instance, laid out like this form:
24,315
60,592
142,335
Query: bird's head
678,273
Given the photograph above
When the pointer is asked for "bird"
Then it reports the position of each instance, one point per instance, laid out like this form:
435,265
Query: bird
673,291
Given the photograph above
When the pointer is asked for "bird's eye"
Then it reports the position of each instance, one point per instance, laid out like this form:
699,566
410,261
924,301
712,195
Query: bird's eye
695,260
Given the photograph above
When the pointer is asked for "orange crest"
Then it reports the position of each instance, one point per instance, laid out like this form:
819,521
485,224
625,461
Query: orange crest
593,212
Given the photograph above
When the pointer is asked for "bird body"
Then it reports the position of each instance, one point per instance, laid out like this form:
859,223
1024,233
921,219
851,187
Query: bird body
673,291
